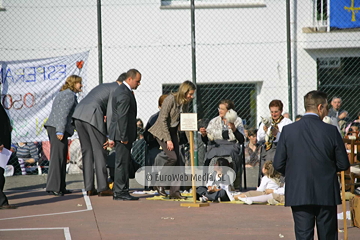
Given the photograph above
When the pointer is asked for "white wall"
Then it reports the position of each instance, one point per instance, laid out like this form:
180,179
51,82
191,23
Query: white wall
233,44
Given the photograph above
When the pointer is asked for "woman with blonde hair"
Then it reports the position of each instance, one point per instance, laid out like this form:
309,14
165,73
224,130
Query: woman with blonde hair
59,128
166,128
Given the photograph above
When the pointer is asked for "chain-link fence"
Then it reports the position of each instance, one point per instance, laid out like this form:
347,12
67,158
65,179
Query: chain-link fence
243,53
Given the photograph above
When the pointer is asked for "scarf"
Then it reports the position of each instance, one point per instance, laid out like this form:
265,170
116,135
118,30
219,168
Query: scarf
274,123
216,127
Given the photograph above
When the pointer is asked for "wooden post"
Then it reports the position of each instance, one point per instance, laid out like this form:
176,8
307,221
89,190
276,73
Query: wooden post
343,202
194,203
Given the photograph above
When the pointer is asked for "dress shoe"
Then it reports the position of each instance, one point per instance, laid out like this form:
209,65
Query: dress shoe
7,206
125,197
91,193
161,191
177,195
56,193
66,191
106,193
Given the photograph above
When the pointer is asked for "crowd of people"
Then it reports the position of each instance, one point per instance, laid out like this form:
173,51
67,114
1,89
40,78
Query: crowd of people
107,118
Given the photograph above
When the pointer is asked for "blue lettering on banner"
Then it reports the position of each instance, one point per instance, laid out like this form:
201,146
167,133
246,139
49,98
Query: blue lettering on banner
55,71
9,76
33,74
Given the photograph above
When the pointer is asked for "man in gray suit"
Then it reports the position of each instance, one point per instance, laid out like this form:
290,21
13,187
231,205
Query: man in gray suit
123,132
91,116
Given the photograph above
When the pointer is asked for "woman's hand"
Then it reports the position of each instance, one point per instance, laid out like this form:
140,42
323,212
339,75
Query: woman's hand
212,189
232,126
203,131
170,145
265,128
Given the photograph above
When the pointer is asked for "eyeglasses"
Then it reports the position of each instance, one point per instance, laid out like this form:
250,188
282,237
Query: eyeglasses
221,109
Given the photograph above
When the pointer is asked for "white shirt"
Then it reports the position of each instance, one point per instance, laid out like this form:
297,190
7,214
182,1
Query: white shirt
280,190
127,85
261,133
267,183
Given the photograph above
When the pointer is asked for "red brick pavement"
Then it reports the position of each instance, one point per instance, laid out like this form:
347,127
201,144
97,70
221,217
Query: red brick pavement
49,217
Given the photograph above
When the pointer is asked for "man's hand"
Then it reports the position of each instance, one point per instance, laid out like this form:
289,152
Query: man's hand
105,119
203,131
111,143
124,142
106,144
60,136
170,145
1,147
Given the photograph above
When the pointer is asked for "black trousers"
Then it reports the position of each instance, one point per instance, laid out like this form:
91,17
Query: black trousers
3,198
91,141
325,218
171,158
58,157
121,173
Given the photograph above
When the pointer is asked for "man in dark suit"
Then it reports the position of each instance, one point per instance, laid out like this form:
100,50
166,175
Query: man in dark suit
5,140
91,116
309,154
123,132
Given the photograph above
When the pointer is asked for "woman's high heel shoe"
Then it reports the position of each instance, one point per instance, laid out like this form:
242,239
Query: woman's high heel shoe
161,191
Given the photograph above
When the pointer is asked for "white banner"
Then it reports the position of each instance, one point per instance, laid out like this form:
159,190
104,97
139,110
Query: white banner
29,88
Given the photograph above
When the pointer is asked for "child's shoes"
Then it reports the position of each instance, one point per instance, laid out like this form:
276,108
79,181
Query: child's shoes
245,200
203,199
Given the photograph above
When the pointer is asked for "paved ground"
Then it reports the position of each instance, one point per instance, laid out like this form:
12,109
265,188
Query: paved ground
76,216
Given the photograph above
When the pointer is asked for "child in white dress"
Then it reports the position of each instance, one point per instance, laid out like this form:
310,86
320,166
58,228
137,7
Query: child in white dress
271,180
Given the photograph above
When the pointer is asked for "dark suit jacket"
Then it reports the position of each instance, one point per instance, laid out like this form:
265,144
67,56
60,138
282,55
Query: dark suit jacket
149,138
310,153
123,120
95,106
5,128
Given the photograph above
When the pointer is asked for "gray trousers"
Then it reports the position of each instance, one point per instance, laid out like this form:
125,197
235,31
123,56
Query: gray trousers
91,141
58,157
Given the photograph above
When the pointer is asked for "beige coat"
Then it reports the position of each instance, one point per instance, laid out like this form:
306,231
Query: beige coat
169,117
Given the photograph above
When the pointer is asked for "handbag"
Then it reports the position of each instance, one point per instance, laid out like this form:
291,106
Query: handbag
355,211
